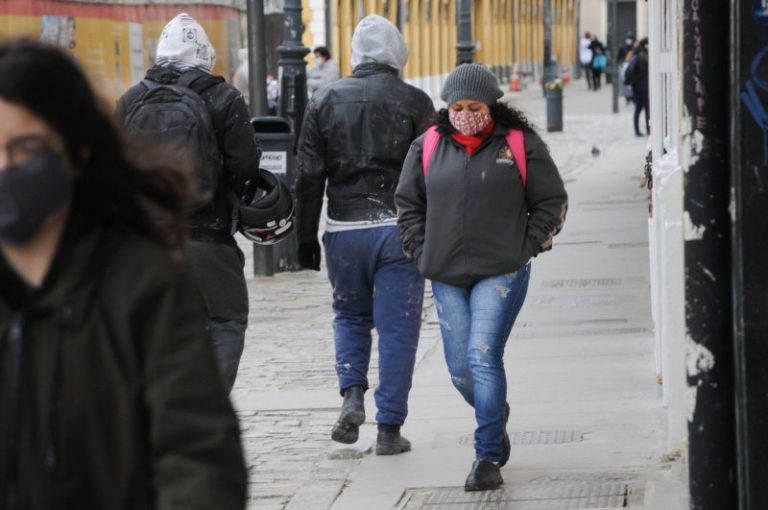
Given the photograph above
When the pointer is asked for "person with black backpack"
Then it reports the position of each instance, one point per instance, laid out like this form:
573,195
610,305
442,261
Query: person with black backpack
199,118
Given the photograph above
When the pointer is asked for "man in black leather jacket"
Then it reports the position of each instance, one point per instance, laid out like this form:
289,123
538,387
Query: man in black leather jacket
212,254
355,137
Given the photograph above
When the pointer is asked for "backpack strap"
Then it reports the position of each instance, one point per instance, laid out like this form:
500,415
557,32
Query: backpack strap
431,139
516,141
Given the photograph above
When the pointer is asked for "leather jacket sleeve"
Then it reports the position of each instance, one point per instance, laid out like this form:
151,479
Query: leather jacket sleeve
411,202
240,148
311,176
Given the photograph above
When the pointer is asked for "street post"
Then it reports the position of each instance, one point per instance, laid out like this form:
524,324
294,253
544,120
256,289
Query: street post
465,48
707,228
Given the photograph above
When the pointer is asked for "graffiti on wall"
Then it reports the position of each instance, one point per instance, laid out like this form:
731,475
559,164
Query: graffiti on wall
755,95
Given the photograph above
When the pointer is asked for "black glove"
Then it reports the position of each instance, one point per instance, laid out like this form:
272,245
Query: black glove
309,255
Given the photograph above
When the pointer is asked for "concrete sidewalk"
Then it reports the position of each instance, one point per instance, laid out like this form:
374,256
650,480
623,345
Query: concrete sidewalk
587,425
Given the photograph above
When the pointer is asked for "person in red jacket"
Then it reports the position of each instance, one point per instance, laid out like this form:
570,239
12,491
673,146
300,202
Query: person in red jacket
473,222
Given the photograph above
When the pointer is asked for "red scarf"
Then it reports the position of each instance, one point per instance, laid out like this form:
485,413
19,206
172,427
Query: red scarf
472,142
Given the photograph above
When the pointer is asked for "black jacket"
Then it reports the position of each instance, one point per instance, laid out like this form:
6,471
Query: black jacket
356,134
109,391
238,146
474,218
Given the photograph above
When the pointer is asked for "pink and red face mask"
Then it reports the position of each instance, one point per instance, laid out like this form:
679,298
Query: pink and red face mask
467,122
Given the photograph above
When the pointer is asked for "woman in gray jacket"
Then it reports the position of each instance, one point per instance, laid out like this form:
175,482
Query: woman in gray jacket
479,195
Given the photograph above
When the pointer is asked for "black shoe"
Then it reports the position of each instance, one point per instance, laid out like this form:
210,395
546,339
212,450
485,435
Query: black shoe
506,446
485,476
347,427
391,443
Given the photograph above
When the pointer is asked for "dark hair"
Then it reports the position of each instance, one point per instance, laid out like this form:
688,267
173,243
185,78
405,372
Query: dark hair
323,51
503,114
111,185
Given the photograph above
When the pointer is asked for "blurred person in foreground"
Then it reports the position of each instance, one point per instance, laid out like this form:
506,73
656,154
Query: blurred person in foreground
109,392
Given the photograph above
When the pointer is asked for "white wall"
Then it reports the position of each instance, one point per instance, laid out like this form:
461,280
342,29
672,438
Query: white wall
666,230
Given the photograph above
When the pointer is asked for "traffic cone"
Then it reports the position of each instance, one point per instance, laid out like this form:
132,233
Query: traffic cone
565,74
514,80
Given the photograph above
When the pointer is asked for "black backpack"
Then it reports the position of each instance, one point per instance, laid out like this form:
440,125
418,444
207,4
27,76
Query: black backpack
175,117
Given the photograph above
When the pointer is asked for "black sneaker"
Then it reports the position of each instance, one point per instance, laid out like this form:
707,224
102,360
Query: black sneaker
391,443
347,427
484,476
506,446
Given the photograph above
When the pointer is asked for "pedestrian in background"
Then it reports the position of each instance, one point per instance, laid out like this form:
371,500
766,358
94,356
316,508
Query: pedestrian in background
599,61
636,75
355,136
325,71
585,57
240,78
479,196
227,172
109,389
623,57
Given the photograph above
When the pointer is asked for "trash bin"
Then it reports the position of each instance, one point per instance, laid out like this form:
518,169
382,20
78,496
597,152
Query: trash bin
278,157
554,93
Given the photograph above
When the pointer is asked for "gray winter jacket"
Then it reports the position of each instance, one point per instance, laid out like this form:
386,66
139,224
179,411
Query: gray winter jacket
473,218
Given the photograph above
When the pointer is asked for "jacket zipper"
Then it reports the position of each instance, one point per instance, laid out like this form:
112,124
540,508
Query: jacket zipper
14,429
467,255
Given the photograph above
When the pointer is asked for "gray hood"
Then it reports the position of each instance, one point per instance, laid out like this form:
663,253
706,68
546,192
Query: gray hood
184,45
376,39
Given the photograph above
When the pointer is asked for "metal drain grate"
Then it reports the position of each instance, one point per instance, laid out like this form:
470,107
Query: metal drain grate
575,322
532,437
642,244
530,497
583,283
552,332
580,301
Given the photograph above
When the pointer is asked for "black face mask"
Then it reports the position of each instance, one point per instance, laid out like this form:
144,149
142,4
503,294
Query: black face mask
29,192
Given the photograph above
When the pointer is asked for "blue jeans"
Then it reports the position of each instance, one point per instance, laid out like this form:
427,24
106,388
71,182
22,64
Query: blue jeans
476,322
375,285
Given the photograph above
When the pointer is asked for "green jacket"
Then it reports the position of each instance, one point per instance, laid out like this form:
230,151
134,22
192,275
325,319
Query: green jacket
109,392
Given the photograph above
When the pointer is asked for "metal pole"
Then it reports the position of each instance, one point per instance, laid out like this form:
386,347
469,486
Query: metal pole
749,161
465,48
709,326
263,256
550,74
613,48
577,15
257,58
293,86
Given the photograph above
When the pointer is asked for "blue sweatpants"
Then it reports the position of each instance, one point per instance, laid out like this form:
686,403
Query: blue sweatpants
375,285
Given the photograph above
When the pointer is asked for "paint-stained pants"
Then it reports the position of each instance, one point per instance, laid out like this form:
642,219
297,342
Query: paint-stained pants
375,285
475,323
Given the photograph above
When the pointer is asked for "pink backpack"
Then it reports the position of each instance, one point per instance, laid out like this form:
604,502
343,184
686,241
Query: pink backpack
515,140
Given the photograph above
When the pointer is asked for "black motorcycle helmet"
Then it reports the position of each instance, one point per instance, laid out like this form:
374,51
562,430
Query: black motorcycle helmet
268,218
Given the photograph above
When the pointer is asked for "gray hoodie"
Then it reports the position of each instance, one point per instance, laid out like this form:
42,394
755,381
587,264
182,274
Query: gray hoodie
377,40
